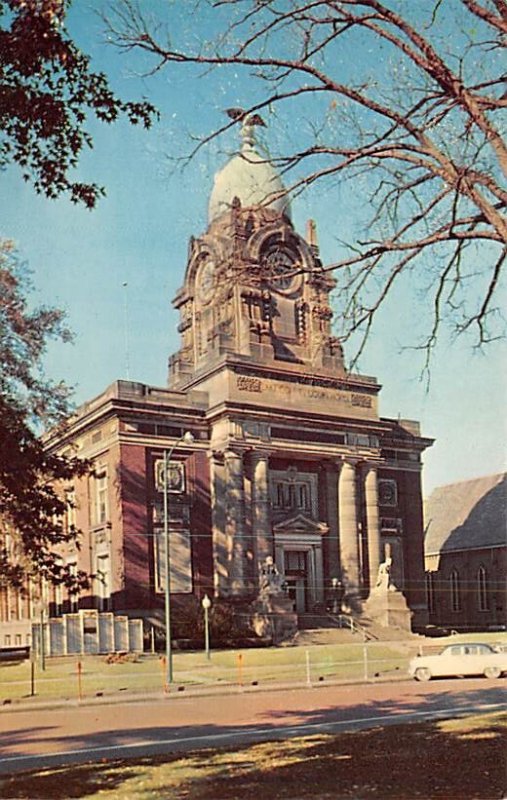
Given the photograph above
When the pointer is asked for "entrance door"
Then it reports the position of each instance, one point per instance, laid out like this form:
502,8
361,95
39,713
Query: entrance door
296,578
296,589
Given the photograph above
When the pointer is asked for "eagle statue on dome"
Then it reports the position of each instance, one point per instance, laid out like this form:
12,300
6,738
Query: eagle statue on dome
242,115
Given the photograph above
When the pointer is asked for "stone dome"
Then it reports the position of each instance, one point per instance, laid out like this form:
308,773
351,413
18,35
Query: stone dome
250,177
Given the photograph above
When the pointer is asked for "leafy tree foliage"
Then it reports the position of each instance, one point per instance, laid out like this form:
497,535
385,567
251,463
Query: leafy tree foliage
47,89
32,512
402,99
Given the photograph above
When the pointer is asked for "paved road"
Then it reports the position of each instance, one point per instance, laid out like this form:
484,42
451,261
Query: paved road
35,738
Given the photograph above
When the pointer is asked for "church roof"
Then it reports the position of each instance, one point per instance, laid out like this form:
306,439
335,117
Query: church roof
466,515
251,177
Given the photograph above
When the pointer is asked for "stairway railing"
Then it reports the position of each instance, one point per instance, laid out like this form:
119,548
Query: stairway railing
346,621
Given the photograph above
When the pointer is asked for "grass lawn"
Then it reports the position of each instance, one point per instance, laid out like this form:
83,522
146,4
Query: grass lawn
145,674
456,759
226,667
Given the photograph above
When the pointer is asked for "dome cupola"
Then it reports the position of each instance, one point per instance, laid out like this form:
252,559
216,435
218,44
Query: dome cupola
250,177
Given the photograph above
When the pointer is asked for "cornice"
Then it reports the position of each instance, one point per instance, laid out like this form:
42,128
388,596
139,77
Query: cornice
283,371
106,406
288,416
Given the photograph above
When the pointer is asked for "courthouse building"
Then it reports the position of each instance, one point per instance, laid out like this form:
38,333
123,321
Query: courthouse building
290,457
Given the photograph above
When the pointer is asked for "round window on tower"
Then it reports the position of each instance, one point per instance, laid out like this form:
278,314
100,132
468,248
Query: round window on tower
280,266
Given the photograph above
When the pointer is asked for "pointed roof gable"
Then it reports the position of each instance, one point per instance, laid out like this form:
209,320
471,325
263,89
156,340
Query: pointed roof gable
470,514
302,523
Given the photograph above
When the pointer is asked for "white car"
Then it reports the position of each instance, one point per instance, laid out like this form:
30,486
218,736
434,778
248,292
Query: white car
460,660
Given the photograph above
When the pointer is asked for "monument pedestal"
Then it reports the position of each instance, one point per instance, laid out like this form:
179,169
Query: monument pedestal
388,607
273,614
274,617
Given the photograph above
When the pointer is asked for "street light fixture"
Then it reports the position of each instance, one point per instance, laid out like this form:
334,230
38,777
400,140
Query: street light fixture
337,595
206,604
186,438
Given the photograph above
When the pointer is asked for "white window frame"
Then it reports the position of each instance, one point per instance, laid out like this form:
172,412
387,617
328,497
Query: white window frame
70,496
104,582
101,495
72,597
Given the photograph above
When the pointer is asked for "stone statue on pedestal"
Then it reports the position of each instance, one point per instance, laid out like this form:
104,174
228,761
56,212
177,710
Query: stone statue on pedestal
274,614
271,580
386,604
384,581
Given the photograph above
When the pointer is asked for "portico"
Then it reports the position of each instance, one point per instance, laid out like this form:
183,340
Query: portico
317,521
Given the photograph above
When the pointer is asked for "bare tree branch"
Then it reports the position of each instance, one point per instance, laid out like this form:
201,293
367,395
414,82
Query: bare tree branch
425,147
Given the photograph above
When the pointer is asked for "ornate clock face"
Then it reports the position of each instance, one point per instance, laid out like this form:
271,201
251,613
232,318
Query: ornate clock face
279,263
206,280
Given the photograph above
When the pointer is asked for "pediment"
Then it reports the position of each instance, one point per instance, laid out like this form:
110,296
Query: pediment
302,523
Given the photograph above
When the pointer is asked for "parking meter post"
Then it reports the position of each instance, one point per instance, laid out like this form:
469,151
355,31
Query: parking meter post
165,685
79,681
308,673
240,669
42,642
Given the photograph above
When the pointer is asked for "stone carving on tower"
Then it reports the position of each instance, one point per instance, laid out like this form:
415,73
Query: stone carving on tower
253,286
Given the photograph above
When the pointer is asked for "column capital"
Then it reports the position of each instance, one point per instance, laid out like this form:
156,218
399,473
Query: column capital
259,454
216,456
328,465
370,466
230,453
348,462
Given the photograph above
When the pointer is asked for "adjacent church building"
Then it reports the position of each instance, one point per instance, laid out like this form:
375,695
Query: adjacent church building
466,554
288,455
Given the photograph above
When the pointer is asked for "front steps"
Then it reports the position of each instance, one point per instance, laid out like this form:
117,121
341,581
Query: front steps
326,628
315,636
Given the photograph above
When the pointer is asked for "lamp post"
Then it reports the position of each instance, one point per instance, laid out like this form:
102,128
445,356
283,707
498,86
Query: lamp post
187,438
42,626
337,595
206,604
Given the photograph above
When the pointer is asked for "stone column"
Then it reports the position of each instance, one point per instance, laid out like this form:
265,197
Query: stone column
331,541
218,522
319,575
372,523
261,521
349,542
235,520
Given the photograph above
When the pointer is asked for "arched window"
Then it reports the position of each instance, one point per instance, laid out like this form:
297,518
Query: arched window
430,591
482,589
455,591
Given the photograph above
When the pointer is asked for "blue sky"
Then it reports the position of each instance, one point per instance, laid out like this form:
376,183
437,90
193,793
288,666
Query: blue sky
138,235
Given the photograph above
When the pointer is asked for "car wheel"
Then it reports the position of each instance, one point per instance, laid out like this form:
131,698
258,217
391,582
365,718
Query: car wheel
422,674
492,672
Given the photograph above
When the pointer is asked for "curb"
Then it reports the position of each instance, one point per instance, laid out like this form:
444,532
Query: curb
182,692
